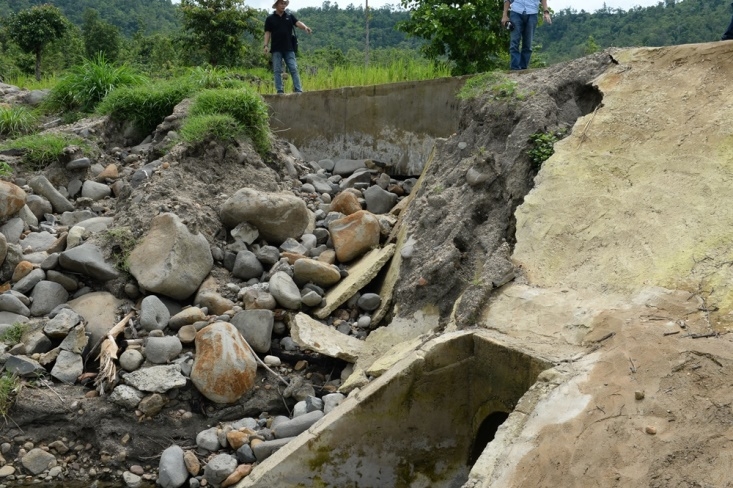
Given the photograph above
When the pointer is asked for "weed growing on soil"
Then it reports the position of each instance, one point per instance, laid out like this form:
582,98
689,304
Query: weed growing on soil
88,83
145,105
121,243
13,335
9,385
244,106
5,169
494,83
40,150
16,121
543,146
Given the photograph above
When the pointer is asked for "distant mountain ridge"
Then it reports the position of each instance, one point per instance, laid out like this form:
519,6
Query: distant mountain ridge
129,16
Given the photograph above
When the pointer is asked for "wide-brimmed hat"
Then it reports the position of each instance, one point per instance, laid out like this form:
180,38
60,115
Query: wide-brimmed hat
286,2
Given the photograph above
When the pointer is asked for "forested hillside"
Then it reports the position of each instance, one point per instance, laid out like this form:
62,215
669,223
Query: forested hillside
574,33
130,16
148,34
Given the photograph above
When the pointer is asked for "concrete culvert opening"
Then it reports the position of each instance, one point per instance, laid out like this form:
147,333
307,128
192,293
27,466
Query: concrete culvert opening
421,424
486,433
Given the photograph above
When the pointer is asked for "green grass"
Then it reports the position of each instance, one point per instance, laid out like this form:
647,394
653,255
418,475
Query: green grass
29,82
145,105
14,334
40,150
121,242
353,75
243,105
16,121
495,84
9,386
200,128
88,83
5,169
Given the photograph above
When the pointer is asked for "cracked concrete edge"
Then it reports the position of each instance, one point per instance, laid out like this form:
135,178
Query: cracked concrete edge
360,275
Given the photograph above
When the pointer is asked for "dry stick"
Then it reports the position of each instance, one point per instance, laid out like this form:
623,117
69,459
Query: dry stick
108,354
672,333
585,129
633,367
264,365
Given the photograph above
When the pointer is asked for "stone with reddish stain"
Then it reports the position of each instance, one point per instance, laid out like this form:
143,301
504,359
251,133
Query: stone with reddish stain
239,473
354,235
224,368
345,202
12,199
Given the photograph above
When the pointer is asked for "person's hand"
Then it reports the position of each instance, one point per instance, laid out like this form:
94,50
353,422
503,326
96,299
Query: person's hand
308,30
266,49
547,17
504,20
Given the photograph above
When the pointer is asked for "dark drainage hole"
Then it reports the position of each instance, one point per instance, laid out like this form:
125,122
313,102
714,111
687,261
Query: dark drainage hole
485,434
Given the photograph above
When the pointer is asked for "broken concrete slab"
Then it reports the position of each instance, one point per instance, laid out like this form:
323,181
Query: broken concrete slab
360,275
311,334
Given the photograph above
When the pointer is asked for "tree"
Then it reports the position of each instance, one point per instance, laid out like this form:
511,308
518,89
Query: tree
217,27
34,28
100,36
467,32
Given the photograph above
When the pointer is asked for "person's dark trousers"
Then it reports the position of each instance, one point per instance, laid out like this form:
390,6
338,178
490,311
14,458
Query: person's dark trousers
523,32
728,35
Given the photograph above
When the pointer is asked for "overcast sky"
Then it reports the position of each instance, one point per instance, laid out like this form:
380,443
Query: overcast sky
587,5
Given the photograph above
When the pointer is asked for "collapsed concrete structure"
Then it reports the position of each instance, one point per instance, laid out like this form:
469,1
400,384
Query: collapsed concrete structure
605,361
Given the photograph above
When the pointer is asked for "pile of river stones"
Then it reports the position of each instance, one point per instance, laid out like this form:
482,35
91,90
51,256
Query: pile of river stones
284,251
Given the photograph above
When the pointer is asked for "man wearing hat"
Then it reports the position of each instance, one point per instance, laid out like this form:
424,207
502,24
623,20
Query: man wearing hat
279,30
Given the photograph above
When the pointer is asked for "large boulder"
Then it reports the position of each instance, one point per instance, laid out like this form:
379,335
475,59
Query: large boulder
276,215
224,368
170,260
12,199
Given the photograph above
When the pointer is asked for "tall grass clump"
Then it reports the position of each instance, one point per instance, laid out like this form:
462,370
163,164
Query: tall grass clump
200,128
202,78
145,105
16,121
40,150
244,106
88,83
359,75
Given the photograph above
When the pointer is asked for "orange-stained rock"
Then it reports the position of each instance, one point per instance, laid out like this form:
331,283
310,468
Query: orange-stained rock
224,368
108,173
239,473
292,257
12,199
354,235
21,271
193,465
237,439
346,203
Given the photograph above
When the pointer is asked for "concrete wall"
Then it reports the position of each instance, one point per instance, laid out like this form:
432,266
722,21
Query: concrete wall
395,123
413,426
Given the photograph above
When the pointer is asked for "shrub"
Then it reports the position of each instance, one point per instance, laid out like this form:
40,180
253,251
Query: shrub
16,121
543,146
145,105
88,83
40,150
244,105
